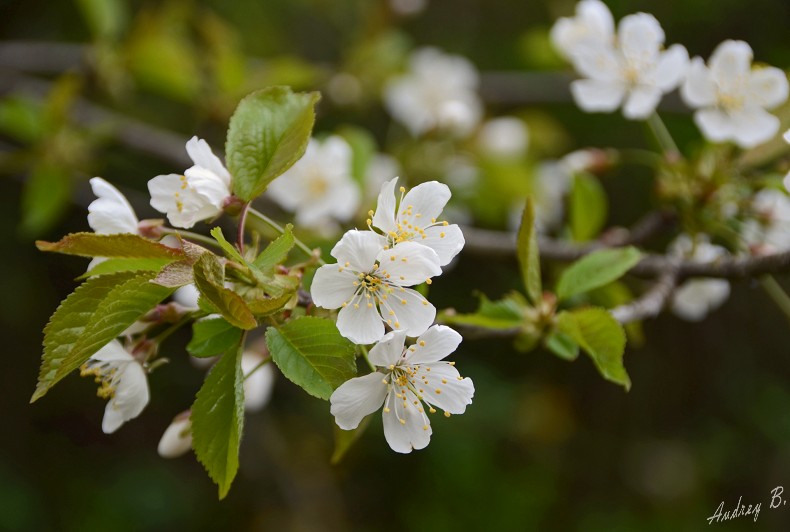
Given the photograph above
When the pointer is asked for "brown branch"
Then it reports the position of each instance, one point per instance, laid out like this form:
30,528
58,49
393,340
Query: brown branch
651,303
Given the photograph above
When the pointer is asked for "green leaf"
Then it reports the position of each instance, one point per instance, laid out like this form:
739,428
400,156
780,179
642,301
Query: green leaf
596,269
212,336
93,315
268,133
125,265
230,251
210,281
528,255
218,420
601,337
277,251
312,354
506,313
560,343
588,207
106,18
114,246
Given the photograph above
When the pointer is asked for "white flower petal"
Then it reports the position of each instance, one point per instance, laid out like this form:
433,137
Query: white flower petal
407,310
187,296
600,62
767,87
359,249
427,200
258,386
131,397
753,126
593,23
361,324
671,68
730,62
200,153
715,124
446,241
203,182
405,428
332,287
113,352
433,345
408,263
110,213
177,438
641,102
640,36
699,89
597,96
384,217
697,297
388,350
357,398
445,389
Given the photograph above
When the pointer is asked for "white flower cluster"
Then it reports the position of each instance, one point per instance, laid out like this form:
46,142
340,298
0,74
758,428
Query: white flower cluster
406,245
631,68
695,298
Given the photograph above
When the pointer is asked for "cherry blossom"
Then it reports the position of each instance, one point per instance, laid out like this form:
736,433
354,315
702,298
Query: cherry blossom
695,298
177,438
408,380
593,25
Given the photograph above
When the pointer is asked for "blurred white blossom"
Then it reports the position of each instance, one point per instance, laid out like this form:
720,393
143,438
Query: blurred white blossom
408,379
258,381
438,92
633,72
110,213
769,230
122,381
197,195
407,8
695,298
593,25
319,186
177,438
731,97
505,137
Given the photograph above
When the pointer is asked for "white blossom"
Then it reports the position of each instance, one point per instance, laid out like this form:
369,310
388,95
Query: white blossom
593,25
635,72
197,195
187,296
505,137
177,438
319,186
258,381
110,213
695,298
415,218
438,92
368,283
122,380
768,231
731,97
408,380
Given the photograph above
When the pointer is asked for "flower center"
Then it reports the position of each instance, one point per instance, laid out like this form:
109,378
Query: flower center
317,186
105,375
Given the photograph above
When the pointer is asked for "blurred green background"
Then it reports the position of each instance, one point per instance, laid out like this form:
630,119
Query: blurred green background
547,445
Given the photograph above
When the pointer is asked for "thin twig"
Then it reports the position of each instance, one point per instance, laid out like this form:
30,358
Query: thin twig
651,303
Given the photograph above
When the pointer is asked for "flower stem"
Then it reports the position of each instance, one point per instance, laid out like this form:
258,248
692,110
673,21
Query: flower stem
776,293
661,134
258,366
277,227
189,235
242,223
644,157
364,351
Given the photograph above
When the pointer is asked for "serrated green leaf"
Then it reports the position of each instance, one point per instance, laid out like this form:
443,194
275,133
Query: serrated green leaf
596,269
230,251
506,313
602,337
210,282
277,251
218,420
528,255
267,134
263,305
124,245
312,354
213,336
589,207
125,265
560,342
93,315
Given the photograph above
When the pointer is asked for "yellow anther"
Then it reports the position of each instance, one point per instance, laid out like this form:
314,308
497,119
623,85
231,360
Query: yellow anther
428,281
432,410
403,189
404,259
441,235
425,427
452,363
386,410
447,414
392,257
425,303
370,305
438,391
444,381
397,325
369,221
383,381
445,224
402,301
433,220
356,305
402,421
371,213
422,343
